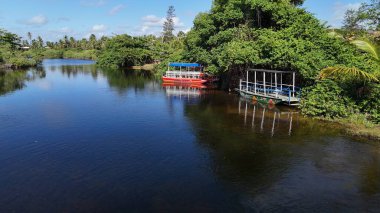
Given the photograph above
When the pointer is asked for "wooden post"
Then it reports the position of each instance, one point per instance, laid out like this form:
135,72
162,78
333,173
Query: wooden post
294,83
240,86
262,120
274,122
281,81
247,81
253,116
245,113
271,80
255,82
239,105
275,83
291,124
264,85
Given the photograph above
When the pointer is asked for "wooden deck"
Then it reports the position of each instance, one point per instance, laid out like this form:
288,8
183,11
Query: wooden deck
291,101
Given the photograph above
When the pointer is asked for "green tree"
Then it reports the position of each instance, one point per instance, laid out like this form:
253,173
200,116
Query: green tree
29,37
366,17
280,35
92,41
168,27
10,39
125,51
72,42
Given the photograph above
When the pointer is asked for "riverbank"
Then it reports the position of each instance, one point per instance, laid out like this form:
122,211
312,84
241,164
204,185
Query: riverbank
358,126
362,131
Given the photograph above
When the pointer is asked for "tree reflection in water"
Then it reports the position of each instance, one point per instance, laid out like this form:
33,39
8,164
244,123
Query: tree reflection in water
12,80
273,156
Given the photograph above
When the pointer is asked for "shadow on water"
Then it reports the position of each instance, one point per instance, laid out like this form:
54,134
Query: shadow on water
278,160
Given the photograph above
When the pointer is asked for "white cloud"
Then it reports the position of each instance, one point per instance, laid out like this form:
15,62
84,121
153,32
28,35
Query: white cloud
93,3
65,30
99,28
38,20
339,12
186,30
116,9
56,34
152,24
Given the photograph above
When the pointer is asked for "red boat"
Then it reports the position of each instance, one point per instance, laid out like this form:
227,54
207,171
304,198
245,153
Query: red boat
194,86
186,73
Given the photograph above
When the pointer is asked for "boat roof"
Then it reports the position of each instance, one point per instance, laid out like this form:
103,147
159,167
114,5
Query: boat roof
179,64
270,71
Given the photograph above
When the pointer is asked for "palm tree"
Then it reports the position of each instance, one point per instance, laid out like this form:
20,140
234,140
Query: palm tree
30,36
351,72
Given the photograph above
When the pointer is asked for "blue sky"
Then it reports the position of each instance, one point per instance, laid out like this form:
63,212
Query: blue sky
79,18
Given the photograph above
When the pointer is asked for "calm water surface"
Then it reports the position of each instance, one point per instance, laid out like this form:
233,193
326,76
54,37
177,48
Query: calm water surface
74,138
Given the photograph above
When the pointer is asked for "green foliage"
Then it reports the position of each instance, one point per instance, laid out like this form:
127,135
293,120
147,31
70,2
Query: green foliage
267,34
168,27
369,47
326,99
9,39
53,53
347,74
125,51
371,103
81,54
22,62
367,16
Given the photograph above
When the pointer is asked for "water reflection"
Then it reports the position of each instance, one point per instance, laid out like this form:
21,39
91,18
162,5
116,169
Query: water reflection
12,80
122,80
264,115
276,160
113,140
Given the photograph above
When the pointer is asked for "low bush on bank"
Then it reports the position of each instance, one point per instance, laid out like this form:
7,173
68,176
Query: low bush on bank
52,53
326,99
371,103
81,54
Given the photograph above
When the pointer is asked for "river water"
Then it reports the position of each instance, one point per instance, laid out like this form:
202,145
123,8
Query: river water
75,138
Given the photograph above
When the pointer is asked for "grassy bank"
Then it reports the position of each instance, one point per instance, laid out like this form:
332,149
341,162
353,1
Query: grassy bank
357,125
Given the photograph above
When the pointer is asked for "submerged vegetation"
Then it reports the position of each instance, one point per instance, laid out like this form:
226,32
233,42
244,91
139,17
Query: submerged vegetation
338,68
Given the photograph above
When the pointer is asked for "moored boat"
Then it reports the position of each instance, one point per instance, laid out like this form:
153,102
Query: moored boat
186,73
268,87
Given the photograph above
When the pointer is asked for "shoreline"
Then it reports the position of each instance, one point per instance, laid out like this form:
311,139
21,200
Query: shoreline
352,126
356,130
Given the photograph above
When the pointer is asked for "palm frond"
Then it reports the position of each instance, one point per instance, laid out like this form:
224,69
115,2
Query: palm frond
347,73
369,47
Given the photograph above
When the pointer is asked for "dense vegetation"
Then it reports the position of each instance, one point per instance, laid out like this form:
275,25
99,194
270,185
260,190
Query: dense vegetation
11,54
338,68
280,35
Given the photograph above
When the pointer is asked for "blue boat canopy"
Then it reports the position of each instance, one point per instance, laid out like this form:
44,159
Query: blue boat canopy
176,64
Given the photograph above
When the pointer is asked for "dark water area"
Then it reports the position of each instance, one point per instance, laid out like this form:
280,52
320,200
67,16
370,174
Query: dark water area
75,138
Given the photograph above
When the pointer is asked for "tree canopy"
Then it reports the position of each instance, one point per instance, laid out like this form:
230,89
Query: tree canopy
125,51
237,34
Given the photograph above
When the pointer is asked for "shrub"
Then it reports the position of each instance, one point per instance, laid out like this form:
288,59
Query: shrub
326,99
52,53
371,103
